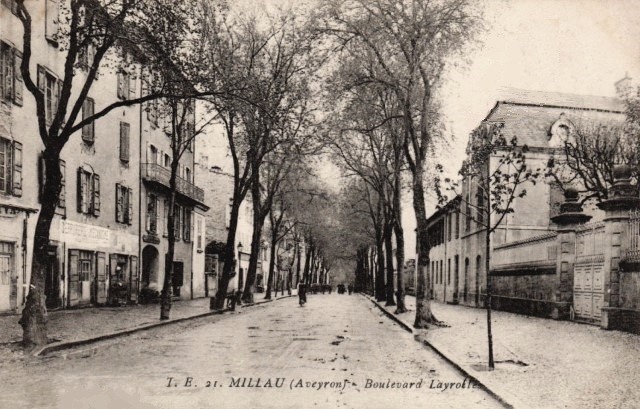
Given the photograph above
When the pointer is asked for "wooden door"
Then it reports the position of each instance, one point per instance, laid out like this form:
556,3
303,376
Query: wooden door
588,290
5,282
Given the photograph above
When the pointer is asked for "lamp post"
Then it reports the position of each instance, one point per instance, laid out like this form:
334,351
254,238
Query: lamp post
240,276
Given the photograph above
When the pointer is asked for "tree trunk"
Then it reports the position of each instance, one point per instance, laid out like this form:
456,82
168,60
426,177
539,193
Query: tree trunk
165,295
250,280
380,286
307,260
388,246
272,263
487,266
298,261
229,266
399,233
424,316
34,315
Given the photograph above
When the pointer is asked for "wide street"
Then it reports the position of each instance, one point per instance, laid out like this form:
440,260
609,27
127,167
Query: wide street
328,353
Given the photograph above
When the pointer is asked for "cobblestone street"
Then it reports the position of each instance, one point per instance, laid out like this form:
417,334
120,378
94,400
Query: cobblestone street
342,343
540,363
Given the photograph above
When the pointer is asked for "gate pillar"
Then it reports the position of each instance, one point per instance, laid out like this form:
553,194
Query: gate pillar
622,198
570,217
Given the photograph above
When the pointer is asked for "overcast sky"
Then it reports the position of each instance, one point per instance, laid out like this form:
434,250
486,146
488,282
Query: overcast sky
574,46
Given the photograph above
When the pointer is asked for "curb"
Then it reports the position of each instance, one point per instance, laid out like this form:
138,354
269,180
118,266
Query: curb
466,373
62,345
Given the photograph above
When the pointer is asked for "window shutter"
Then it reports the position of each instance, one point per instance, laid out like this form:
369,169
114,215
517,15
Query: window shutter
101,270
119,204
17,169
62,199
74,260
51,19
18,83
87,111
132,85
82,206
134,279
124,141
130,206
120,85
7,70
42,78
95,206
148,214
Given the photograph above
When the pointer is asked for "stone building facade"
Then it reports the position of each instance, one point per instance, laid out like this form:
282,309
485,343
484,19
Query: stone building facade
101,236
93,256
539,266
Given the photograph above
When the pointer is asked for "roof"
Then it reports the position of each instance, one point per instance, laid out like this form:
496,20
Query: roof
563,100
529,115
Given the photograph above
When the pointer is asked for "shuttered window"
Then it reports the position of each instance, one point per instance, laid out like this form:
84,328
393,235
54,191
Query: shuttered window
5,165
88,192
186,227
6,72
152,213
50,87
51,19
124,204
124,141
88,131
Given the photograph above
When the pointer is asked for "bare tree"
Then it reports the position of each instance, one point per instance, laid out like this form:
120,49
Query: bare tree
90,36
404,46
496,175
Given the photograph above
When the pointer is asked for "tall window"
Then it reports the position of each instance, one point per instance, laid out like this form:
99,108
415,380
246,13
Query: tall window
88,192
51,19
153,153
124,142
50,86
199,234
5,165
481,209
88,131
127,78
187,174
11,82
10,167
124,204
167,160
85,264
152,213
457,223
186,227
177,220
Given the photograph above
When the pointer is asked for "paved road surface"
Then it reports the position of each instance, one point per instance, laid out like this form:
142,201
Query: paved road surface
322,355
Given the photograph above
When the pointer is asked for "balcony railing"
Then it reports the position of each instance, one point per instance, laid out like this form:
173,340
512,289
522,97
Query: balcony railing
154,172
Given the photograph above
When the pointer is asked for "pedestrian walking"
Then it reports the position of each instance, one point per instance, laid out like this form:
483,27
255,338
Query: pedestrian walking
302,293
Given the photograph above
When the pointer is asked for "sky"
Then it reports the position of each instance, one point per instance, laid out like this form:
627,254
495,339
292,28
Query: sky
573,46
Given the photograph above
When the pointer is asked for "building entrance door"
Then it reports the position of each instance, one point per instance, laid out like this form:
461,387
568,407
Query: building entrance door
177,277
52,280
5,282
588,290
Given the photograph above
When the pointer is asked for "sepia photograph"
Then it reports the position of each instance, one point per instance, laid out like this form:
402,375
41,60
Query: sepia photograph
319,204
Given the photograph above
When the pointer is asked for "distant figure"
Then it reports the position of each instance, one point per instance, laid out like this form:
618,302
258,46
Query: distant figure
302,293
350,289
330,288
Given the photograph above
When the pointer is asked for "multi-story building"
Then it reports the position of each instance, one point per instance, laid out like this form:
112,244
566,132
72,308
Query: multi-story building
93,256
524,254
155,170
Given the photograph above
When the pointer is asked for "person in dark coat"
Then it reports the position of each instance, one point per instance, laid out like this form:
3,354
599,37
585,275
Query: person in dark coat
302,293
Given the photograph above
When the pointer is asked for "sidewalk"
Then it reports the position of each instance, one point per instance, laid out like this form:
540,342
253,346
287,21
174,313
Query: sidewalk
80,324
540,363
